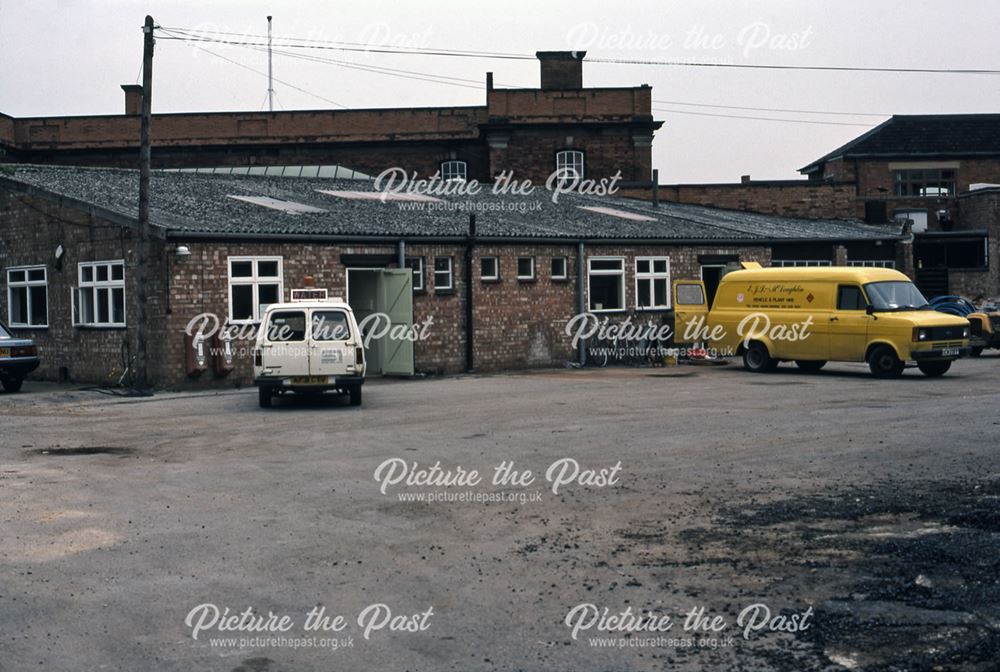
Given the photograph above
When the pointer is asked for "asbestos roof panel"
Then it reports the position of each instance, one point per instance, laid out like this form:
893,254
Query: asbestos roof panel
198,204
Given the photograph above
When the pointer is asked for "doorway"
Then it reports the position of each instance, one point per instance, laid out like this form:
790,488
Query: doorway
711,274
387,292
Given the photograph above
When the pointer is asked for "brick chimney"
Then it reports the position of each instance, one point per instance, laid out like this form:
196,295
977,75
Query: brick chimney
561,69
133,98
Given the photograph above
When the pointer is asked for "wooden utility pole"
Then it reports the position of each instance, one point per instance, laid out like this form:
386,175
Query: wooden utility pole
145,235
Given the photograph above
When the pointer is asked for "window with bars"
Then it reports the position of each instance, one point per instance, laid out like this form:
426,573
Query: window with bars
789,263
872,263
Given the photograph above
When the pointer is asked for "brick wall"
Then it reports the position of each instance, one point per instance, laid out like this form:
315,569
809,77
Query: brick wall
30,230
980,210
790,199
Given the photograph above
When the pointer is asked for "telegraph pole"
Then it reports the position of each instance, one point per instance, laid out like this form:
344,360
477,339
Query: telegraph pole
270,72
141,275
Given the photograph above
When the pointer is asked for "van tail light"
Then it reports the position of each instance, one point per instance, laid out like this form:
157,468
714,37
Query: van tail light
24,351
359,356
258,358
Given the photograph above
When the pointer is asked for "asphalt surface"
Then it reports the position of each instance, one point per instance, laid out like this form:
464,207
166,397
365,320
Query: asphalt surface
872,506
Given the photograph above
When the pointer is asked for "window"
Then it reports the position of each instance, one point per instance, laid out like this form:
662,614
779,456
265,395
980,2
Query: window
100,296
925,182
606,284
416,264
788,263
489,268
442,274
525,268
652,282
254,284
569,164
560,268
872,263
330,325
28,297
850,298
287,326
454,170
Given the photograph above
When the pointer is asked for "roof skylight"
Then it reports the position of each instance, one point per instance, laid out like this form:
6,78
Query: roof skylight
615,212
380,196
288,207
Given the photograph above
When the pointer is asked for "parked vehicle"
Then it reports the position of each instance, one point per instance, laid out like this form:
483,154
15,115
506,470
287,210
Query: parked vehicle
309,346
18,358
984,321
813,315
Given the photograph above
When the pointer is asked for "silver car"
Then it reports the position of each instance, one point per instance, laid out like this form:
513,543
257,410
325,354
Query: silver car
18,358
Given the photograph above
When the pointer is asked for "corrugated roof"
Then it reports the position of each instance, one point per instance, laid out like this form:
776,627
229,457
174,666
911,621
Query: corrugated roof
926,135
196,204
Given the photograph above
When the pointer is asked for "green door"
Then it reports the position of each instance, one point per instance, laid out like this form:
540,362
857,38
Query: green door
396,301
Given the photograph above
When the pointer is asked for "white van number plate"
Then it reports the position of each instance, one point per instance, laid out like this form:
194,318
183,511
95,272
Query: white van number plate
949,352
332,356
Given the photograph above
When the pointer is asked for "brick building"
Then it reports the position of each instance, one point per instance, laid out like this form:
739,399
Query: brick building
919,168
226,245
598,131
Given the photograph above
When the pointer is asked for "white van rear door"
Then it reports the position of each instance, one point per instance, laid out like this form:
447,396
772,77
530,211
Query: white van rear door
330,347
283,348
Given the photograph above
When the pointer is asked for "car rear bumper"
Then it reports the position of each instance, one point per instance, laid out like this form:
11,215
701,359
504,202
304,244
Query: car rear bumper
285,383
939,353
18,367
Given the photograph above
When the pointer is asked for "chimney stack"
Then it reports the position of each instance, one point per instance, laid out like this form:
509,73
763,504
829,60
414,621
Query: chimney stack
561,69
133,98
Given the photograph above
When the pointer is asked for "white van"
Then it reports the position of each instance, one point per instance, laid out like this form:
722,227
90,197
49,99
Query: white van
309,345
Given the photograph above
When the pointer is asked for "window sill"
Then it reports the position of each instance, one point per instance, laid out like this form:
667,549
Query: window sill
28,327
651,309
490,281
101,327
606,310
560,279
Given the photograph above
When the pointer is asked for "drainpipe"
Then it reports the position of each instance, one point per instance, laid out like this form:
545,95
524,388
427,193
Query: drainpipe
401,253
469,344
656,188
581,301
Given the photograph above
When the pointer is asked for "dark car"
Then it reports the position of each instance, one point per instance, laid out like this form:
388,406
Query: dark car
18,358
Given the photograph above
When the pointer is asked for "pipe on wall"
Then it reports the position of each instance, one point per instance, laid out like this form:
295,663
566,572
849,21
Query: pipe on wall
469,327
581,301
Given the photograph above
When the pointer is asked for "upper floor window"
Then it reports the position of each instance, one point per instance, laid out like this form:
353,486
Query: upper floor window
569,163
254,284
925,182
454,170
28,296
100,297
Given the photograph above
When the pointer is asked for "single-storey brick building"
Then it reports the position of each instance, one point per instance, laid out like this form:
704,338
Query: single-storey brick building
495,297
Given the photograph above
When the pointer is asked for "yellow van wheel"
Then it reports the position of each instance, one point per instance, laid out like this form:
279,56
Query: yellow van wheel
810,365
884,363
934,369
757,359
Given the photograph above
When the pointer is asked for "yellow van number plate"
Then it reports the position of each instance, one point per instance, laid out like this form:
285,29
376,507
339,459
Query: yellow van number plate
310,380
949,352
4,352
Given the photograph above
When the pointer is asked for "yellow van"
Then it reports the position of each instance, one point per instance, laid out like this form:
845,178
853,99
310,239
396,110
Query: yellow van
813,315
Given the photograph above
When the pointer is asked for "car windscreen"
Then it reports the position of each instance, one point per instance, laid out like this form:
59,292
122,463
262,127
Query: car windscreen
895,295
330,325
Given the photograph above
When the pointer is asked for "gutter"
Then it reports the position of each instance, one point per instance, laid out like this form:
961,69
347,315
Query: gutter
520,240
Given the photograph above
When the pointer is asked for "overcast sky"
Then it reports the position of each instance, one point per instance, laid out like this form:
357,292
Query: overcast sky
65,57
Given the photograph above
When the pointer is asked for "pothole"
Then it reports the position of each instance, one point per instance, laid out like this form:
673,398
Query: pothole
83,450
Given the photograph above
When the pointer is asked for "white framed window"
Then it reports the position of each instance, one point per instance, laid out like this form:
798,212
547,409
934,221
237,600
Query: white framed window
416,264
525,268
100,294
454,170
489,268
569,163
872,263
443,280
790,263
28,296
560,268
254,284
652,283
606,284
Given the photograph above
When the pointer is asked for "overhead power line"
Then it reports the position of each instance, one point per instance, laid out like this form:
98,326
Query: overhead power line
746,116
196,35
774,109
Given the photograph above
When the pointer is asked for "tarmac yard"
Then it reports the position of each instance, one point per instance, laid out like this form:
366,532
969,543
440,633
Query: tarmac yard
692,518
